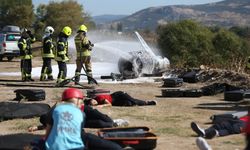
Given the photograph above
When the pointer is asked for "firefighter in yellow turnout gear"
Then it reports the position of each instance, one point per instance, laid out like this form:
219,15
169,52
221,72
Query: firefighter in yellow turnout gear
62,53
47,54
83,48
24,44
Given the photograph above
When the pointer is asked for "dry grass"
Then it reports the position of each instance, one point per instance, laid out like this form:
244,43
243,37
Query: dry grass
170,119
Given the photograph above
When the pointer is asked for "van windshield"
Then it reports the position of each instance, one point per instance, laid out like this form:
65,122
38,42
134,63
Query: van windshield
12,37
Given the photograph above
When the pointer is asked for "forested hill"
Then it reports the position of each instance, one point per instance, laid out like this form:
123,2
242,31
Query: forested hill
225,13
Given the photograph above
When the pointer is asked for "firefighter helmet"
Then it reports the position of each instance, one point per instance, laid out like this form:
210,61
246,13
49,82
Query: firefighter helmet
83,28
49,30
67,30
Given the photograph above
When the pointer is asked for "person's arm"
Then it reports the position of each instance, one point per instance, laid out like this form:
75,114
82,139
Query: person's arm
48,44
32,37
35,128
104,104
49,121
48,129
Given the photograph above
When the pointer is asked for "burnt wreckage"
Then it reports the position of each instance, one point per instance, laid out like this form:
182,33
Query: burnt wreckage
141,63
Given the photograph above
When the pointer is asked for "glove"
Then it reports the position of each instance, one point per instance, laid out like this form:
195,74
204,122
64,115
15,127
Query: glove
92,45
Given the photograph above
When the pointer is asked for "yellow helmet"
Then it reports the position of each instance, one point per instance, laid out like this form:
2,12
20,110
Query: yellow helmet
67,30
83,28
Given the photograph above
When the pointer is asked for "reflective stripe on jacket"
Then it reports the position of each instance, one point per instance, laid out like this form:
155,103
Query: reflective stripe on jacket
62,50
48,47
25,47
82,45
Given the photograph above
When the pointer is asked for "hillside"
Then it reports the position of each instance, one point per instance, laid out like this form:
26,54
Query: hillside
106,18
225,13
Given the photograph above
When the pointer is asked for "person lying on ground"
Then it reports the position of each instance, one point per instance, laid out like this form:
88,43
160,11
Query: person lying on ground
58,126
118,98
222,128
93,119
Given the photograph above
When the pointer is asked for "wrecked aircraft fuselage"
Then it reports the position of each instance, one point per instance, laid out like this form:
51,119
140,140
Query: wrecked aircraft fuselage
141,63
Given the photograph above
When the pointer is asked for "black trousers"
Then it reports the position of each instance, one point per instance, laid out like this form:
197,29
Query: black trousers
46,69
62,71
228,127
96,119
93,142
26,68
121,98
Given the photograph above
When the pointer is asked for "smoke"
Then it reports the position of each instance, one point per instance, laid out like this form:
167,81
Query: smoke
111,46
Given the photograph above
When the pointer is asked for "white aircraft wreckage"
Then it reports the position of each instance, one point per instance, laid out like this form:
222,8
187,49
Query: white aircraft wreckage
142,63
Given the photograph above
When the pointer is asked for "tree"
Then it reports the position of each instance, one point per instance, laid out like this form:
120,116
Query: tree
16,12
40,25
60,14
243,32
230,48
186,43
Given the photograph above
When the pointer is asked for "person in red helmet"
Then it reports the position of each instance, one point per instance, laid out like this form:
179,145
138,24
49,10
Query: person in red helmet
58,130
65,122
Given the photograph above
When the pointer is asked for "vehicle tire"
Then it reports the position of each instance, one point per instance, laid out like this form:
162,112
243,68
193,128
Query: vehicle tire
1,58
10,58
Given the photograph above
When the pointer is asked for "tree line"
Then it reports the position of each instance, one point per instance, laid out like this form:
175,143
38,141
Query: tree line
190,44
56,14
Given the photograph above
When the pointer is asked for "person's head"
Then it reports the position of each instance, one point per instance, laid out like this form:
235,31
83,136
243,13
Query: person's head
49,30
66,31
24,33
73,95
91,102
82,29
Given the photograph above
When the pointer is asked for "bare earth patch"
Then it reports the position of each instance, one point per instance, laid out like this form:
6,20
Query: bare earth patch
170,119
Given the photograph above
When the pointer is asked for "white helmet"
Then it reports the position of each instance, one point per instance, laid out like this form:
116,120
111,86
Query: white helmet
49,30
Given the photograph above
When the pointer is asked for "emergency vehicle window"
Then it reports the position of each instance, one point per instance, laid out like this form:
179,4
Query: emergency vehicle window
12,37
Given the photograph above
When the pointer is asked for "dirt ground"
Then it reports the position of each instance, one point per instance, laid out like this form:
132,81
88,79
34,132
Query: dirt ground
170,119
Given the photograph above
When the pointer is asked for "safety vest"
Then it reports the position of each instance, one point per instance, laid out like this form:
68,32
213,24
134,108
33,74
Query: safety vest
82,45
62,50
25,47
48,47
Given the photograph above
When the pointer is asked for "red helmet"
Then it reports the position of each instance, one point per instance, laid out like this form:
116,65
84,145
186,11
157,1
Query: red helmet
72,93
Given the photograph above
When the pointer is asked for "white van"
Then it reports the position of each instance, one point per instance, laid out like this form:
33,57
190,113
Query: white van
8,45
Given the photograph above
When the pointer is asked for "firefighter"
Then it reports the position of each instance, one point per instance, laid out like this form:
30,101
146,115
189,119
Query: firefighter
24,44
47,54
62,53
83,48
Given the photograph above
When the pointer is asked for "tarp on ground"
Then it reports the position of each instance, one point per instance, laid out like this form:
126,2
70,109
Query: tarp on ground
12,110
17,141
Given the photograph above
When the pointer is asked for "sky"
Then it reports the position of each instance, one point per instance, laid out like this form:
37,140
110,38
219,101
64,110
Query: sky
125,7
